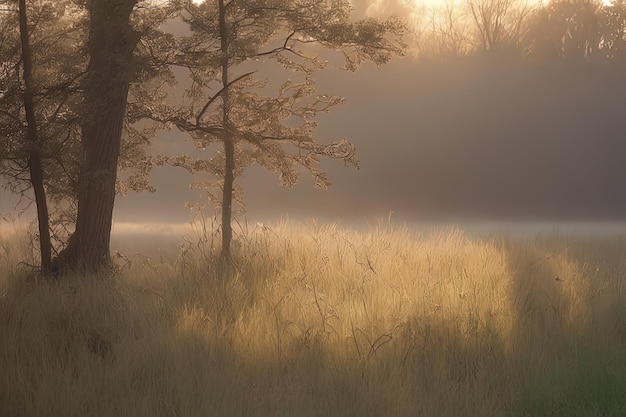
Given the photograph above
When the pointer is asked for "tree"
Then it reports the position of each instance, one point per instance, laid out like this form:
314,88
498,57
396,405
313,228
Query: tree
84,112
499,23
578,30
107,70
448,32
612,24
566,30
32,138
58,33
37,103
613,28
111,45
228,105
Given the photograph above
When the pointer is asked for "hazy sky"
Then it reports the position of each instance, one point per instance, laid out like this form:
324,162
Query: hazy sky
466,139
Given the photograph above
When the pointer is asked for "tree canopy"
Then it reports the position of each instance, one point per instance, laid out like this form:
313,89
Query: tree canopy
104,79
228,45
102,68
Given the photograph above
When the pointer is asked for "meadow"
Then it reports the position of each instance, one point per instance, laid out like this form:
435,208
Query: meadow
321,320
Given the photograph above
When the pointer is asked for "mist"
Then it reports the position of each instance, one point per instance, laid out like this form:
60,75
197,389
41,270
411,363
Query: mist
472,139
481,136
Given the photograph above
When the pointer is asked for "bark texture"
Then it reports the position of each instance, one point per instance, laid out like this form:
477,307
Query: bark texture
32,139
112,42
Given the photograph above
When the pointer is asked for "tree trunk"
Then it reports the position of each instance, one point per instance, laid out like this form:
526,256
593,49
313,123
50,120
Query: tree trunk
34,159
227,197
111,44
229,145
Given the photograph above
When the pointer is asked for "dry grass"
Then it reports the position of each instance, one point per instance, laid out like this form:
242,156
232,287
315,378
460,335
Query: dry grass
324,321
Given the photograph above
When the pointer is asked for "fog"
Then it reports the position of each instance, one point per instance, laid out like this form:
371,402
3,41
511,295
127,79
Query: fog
478,138
473,139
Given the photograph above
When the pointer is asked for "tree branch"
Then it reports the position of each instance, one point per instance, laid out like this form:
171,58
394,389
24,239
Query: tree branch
219,93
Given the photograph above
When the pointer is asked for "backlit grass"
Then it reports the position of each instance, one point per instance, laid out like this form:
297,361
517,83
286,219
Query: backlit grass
322,321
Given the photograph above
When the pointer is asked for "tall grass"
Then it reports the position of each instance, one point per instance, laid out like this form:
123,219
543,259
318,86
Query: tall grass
323,321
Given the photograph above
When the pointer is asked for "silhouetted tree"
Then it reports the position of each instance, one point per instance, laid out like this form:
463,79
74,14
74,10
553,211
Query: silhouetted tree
449,32
499,23
230,41
566,29
76,107
83,100
111,44
37,103
613,30
32,138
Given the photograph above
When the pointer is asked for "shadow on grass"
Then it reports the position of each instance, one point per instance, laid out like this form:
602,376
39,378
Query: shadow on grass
183,339
570,365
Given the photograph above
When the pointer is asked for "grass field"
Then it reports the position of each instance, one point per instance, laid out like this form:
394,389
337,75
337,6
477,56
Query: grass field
322,321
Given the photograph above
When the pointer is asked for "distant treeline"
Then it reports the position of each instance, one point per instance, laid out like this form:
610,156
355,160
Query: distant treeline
556,30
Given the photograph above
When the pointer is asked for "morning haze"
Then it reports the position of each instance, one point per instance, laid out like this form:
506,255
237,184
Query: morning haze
480,135
472,266
506,134
469,137
526,127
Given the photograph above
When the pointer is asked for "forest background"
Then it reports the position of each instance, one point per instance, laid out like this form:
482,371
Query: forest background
526,128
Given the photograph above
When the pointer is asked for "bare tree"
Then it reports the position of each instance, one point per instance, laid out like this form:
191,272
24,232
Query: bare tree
498,23
449,30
